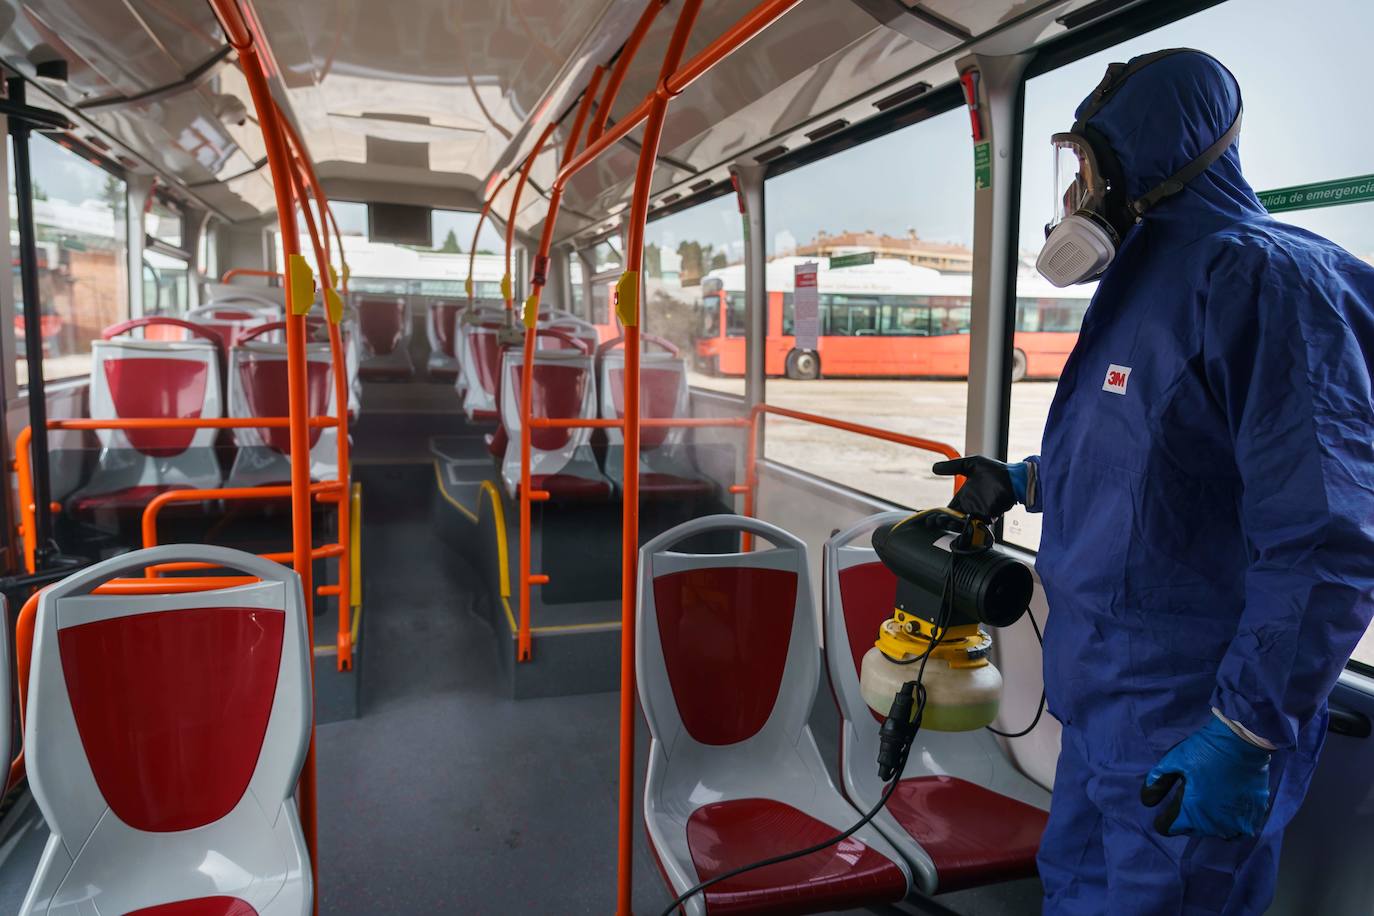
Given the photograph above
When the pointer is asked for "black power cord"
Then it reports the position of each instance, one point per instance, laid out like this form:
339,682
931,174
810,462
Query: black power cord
896,736
1040,711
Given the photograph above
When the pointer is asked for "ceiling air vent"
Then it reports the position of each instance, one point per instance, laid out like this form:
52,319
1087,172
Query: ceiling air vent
770,154
701,185
902,95
826,130
670,199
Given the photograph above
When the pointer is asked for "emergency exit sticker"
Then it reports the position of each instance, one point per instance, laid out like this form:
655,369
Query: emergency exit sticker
982,165
1117,376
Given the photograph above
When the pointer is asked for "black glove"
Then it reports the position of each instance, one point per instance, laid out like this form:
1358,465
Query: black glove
989,489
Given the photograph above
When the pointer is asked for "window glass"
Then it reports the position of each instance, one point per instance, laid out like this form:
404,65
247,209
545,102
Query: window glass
207,254
163,222
82,239
166,284
606,255
575,284
894,255
694,289
440,271
1278,150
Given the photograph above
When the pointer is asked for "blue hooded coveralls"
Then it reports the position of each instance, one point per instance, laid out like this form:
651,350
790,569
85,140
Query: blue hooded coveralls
1208,533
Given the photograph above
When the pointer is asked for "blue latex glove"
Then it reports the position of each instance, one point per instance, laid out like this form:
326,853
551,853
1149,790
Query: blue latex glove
1222,784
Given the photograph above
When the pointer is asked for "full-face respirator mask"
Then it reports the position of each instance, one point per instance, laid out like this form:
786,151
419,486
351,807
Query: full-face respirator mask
1092,212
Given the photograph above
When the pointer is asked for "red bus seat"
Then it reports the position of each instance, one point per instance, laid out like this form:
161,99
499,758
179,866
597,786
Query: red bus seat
561,460
728,671
164,738
954,832
258,388
135,378
230,320
442,325
480,366
384,323
665,467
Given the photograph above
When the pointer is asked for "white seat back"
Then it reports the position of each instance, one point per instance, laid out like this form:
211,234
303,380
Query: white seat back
164,738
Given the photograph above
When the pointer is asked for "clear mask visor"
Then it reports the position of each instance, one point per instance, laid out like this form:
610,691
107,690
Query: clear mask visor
1078,184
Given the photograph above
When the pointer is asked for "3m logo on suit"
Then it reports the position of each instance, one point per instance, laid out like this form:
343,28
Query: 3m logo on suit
1117,376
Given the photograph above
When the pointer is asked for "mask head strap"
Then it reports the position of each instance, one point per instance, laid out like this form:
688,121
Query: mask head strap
1116,75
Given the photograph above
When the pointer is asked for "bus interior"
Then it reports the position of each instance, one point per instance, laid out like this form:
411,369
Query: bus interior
446,440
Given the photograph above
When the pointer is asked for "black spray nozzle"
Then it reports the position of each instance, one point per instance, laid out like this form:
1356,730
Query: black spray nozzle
897,731
983,586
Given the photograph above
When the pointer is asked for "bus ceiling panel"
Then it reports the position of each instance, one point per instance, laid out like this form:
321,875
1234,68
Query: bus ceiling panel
463,79
763,101
111,48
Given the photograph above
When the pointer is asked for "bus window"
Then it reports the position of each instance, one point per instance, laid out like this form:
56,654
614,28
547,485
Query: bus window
386,268
903,318
606,255
949,319
882,345
688,258
575,290
852,316
166,284
82,240
163,222
1280,148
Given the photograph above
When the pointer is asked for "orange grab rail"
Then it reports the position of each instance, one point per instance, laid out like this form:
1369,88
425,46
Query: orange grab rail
229,275
751,484
674,76
240,27
320,239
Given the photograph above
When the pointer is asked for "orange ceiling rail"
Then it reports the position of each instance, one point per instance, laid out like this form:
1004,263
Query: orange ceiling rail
622,66
236,18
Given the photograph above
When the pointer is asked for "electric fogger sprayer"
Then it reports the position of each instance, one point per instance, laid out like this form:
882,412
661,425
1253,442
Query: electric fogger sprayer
929,666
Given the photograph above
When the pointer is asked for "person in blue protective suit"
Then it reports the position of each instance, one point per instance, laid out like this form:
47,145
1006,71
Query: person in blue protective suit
1207,484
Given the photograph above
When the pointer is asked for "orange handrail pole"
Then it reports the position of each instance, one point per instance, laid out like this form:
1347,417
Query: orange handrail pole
541,257
622,66
344,635
159,502
477,232
629,312
523,648
508,284
229,275
87,424
235,23
28,509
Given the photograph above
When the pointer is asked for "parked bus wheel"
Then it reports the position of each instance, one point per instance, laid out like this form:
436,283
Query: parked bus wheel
803,365
1018,365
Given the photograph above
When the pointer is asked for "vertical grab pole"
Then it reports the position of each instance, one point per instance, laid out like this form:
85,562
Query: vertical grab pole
476,232
236,29
627,307
531,318
507,284
319,237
